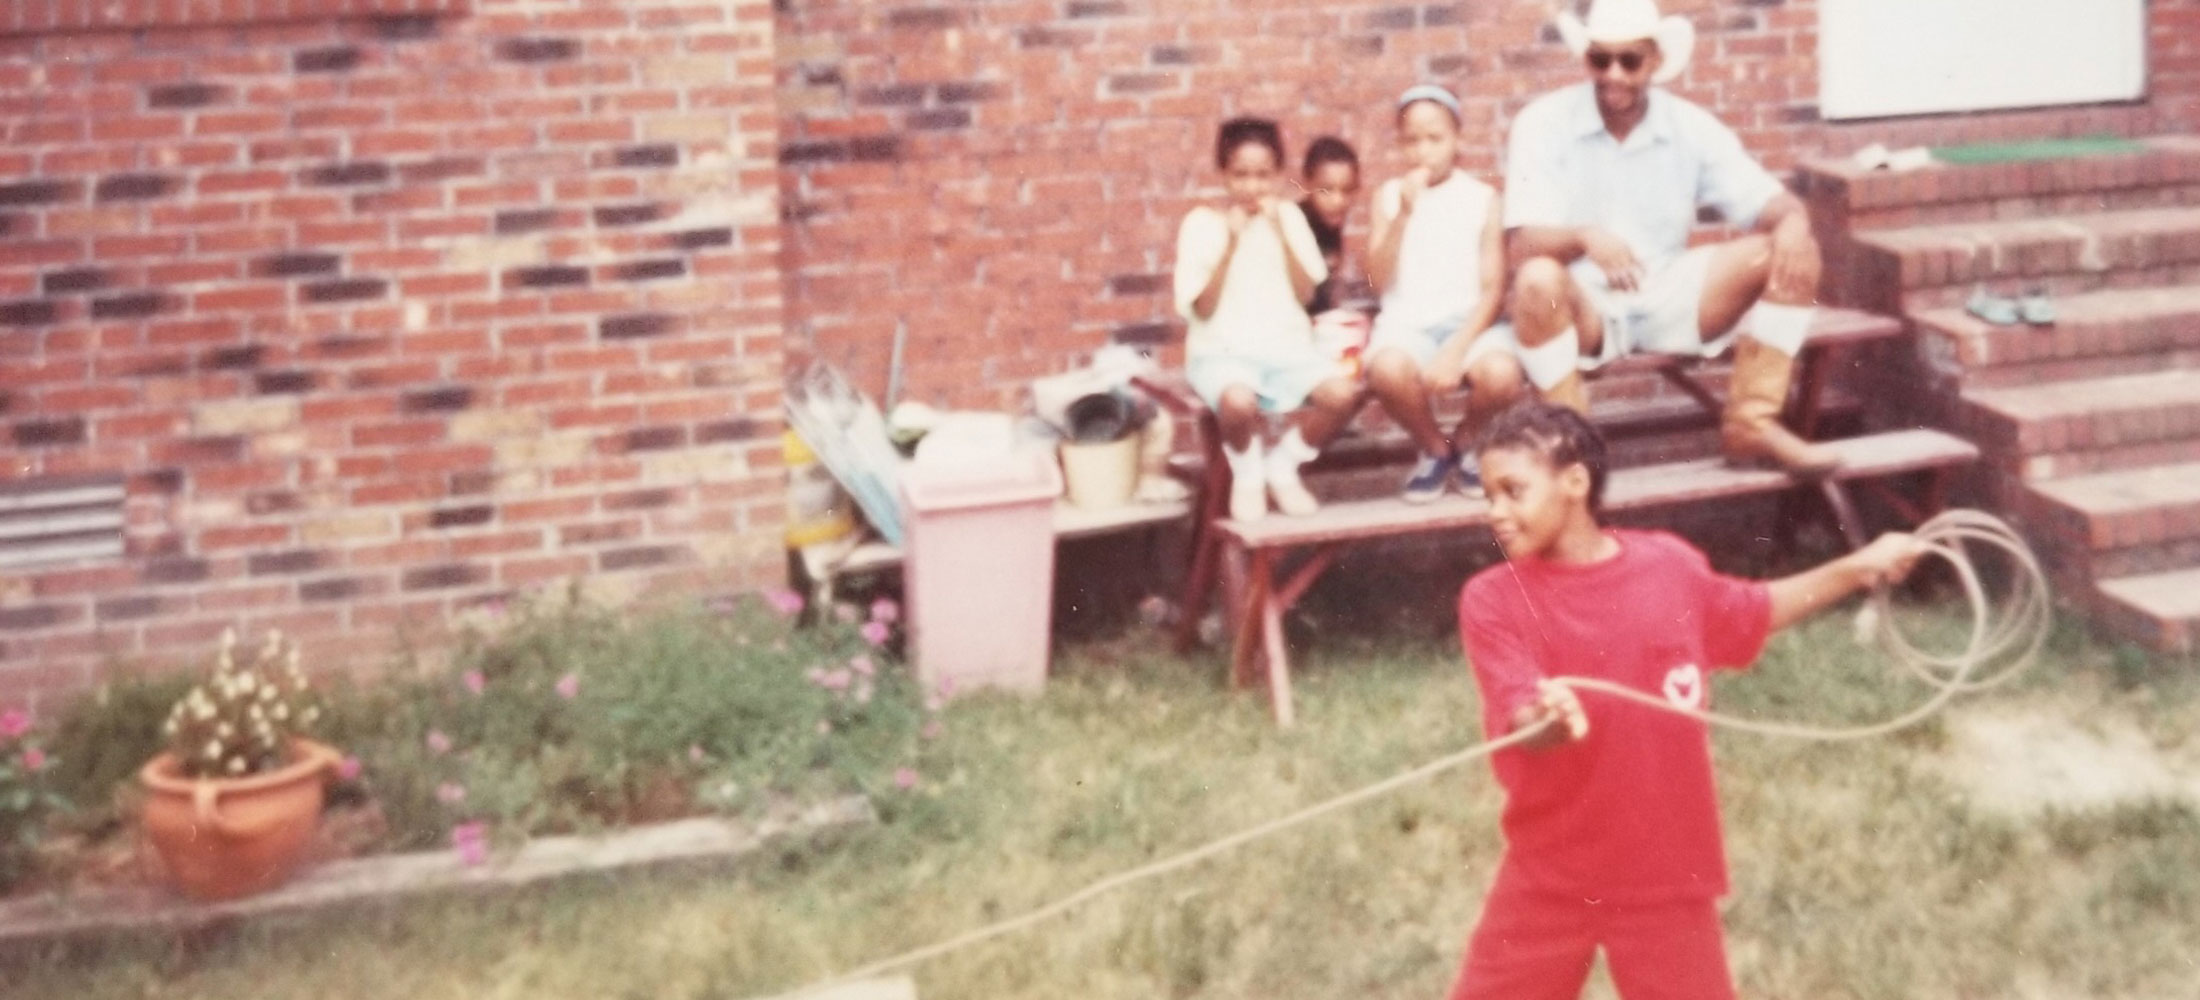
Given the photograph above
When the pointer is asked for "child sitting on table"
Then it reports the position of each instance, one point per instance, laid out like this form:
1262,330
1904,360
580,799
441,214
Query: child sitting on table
1611,821
1245,270
1438,257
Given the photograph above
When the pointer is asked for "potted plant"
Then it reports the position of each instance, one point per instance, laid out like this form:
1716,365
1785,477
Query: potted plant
233,803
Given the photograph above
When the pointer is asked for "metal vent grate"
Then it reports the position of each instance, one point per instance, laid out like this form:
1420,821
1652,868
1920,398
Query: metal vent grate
60,520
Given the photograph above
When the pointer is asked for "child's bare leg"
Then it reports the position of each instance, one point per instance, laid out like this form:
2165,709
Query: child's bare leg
1497,383
1327,408
1398,384
1238,416
1547,309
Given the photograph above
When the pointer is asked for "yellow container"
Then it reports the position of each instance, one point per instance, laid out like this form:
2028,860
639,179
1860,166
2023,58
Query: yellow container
1101,474
817,509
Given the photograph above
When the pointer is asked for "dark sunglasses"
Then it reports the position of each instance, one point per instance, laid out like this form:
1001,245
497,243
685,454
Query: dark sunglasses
1629,61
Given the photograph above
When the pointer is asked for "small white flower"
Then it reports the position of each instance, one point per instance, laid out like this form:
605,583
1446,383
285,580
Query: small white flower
168,728
311,714
213,749
236,765
281,712
224,731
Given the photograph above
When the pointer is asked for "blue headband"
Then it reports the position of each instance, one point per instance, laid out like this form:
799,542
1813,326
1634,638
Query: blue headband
1431,92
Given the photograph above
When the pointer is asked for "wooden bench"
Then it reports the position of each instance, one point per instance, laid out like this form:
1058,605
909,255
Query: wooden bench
1271,588
1833,332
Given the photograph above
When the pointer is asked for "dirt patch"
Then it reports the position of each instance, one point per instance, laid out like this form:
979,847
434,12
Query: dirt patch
2020,759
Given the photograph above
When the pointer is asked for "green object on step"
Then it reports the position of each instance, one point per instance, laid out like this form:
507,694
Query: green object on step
2036,149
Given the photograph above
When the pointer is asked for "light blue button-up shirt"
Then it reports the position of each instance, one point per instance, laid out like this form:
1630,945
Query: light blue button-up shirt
1562,168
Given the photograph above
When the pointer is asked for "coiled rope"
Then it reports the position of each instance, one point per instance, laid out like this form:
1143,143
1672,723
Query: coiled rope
2002,645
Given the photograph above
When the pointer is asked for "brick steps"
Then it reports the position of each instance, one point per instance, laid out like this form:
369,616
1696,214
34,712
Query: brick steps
2087,414
2161,610
2120,523
2166,173
2115,326
1959,255
2090,426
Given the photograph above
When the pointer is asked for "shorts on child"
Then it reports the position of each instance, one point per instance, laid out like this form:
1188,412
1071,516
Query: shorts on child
1661,317
1533,945
1419,340
1282,381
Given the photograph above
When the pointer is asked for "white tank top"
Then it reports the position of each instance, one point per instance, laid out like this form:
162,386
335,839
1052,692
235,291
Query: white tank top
1439,273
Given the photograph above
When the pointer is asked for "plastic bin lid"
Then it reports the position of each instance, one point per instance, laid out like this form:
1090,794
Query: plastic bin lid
1019,477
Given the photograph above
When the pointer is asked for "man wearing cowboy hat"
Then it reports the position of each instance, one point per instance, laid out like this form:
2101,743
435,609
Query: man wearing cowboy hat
1603,181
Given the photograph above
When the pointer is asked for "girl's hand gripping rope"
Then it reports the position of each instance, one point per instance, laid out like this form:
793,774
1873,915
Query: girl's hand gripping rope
1557,711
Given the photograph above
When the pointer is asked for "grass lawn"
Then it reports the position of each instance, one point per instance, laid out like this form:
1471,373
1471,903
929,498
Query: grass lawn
1861,870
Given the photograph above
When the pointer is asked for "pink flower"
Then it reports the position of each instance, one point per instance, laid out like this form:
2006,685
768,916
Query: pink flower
947,687
862,665
34,759
569,686
450,793
786,602
14,722
471,840
695,753
885,612
876,633
846,614
905,778
721,605
836,680
932,730
933,703
475,683
437,742
348,768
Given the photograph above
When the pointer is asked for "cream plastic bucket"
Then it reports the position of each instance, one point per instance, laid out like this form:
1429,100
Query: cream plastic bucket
1100,474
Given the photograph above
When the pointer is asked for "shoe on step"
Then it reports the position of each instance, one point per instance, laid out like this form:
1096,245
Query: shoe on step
1289,491
1430,475
1248,497
1996,309
2036,308
1470,477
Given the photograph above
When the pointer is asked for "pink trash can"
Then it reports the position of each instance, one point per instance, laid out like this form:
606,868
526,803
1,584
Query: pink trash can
978,571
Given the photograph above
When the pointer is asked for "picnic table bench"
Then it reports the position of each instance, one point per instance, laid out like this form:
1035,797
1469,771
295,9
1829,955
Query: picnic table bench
1266,590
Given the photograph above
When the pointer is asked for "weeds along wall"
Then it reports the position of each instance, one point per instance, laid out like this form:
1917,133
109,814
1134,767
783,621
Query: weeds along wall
379,308
999,182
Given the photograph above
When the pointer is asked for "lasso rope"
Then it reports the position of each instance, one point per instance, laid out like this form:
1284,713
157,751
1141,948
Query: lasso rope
2013,640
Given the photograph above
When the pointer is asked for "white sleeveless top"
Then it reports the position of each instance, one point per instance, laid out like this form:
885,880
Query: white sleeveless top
1439,273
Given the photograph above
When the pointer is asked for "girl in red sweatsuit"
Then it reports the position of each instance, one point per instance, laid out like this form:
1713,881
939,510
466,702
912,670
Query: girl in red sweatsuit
1611,818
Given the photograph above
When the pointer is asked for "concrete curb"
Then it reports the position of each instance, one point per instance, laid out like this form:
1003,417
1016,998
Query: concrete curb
34,923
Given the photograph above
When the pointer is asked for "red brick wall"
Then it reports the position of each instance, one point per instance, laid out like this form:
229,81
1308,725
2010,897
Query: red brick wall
384,315
1002,180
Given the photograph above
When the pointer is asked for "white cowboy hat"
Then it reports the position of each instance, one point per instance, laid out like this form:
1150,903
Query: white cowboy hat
1620,21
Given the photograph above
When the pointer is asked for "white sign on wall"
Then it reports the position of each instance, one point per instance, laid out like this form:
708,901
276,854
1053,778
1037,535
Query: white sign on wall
1903,57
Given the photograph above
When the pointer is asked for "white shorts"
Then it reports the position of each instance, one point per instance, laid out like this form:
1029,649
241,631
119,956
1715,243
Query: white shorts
1419,341
1281,381
1660,318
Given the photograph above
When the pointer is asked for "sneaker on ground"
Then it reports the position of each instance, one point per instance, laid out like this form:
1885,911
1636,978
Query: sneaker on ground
1430,474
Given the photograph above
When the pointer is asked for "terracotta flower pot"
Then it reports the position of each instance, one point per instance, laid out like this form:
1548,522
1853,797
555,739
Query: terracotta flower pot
228,837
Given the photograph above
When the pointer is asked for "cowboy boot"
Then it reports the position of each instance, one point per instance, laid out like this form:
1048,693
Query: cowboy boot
1570,392
1751,432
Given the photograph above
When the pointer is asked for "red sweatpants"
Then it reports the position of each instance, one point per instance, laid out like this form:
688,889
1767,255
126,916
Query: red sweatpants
1536,946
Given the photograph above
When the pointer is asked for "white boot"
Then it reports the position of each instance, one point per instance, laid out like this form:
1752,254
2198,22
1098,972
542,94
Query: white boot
1248,488
1284,460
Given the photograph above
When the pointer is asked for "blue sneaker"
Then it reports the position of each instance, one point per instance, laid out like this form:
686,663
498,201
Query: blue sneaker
1470,478
1430,475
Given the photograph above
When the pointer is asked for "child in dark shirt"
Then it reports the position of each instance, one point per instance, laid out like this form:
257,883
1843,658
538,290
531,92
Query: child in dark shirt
1332,182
